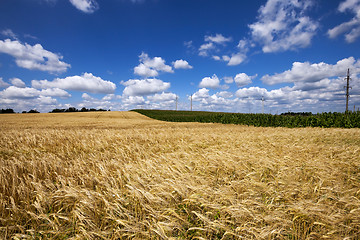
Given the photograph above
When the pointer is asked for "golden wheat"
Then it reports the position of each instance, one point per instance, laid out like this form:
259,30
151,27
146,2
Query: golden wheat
120,175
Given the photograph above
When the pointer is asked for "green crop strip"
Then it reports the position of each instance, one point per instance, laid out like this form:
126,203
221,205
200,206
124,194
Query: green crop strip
324,120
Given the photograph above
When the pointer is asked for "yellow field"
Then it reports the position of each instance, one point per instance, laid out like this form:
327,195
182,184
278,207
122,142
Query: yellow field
120,175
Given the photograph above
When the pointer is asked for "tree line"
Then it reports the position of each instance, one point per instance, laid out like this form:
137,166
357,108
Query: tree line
72,109
56,110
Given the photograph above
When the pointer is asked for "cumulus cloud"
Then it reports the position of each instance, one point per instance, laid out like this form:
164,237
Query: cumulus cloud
251,92
86,96
283,25
211,42
182,64
200,94
225,94
134,101
110,97
136,87
55,92
85,83
86,6
33,57
217,102
41,103
307,72
14,92
228,80
3,84
352,27
236,59
242,79
17,82
162,97
150,67
321,95
210,82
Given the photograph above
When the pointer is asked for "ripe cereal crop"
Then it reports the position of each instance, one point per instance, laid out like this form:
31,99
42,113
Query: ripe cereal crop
121,175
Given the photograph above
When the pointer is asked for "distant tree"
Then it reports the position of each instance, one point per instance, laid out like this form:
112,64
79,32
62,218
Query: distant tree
33,111
57,110
84,109
23,112
297,114
92,110
71,109
8,110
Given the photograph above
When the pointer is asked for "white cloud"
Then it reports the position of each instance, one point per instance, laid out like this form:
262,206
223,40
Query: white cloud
218,38
306,72
145,71
33,57
226,58
46,100
228,80
200,94
210,82
244,45
86,96
86,6
17,82
13,92
242,79
182,64
217,102
189,46
9,33
3,84
282,25
251,92
225,94
162,97
205,48
236,59
110,97
307,94
136,87
41,103
352,26
55,92
150,67
133,100
211,42
216,58
85,83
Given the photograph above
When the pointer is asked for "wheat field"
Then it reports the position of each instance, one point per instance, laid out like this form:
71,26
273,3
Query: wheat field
120,175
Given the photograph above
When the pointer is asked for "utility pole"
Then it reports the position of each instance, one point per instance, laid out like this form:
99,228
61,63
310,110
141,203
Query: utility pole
262,101
191,102
347,89
177,102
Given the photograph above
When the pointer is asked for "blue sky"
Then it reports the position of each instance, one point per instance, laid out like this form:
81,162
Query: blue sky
227,54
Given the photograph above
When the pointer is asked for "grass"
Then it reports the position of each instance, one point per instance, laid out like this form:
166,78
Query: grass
120,175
